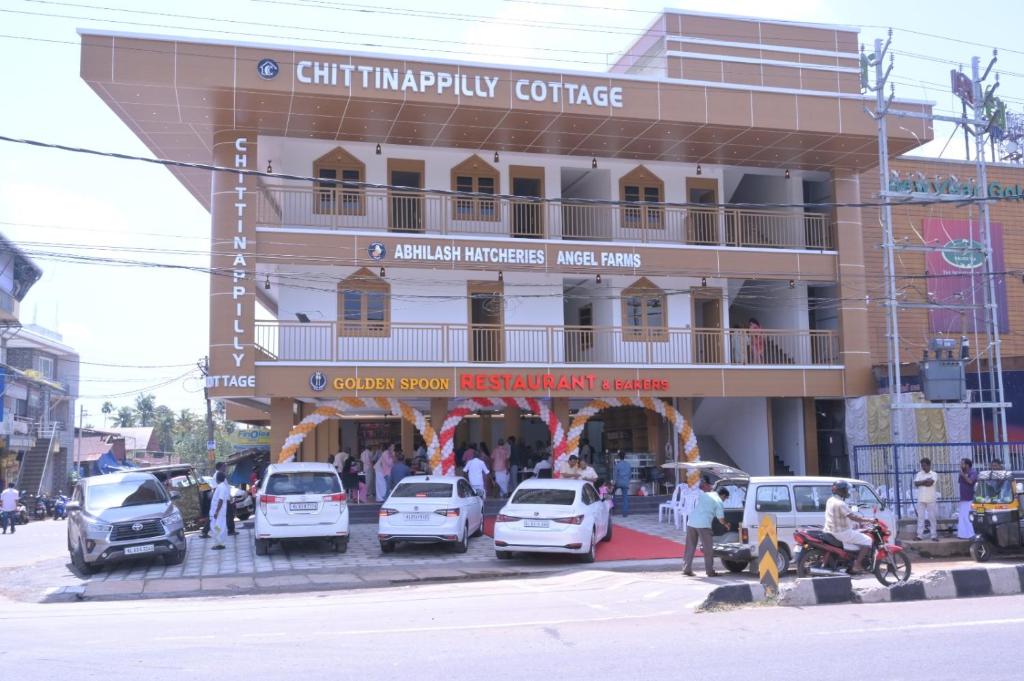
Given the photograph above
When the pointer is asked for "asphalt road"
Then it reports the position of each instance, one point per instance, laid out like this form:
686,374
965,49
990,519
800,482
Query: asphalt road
581,626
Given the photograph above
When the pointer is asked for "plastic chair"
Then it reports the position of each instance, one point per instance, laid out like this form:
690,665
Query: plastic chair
688,502
671,506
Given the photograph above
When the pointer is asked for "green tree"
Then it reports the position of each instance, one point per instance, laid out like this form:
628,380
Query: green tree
124,418
163,425
145,409
107,409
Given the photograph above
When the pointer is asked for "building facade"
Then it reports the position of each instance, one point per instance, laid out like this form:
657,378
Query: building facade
462,252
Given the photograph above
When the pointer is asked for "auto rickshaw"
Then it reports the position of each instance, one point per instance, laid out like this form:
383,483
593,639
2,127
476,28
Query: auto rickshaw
183,479
995,514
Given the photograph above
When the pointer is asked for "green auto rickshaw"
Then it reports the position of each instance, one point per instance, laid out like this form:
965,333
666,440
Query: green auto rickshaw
995,514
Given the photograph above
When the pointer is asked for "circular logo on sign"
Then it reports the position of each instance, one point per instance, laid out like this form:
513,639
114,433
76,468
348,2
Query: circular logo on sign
317,381
377,250
956,254
267,68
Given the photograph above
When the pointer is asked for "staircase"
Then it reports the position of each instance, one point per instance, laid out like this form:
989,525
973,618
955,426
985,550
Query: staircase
32,464
780,466
711,450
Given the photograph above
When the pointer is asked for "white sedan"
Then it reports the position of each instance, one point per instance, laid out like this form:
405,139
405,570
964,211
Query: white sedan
553,516
429,509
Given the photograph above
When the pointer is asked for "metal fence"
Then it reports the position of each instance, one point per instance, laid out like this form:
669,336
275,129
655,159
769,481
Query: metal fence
891,469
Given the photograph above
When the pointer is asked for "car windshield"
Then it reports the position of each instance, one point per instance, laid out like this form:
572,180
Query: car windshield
994,491
551,497
428,490
303,483
124,493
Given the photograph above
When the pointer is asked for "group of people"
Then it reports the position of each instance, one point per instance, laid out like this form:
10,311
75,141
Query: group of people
925,482
376,471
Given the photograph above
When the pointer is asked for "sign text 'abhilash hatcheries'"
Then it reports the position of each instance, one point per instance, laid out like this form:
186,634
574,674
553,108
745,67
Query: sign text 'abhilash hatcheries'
515,256
463,85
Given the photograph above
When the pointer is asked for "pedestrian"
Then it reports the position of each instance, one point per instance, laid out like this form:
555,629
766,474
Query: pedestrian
382,470
399,471
996,465
338,461
968,478
475,470
542,469
698,526
587,471
500,463
350,476
9,507
366,459
604,491
570,469
515,457
622,475
222,467
927,497
219,510
586,451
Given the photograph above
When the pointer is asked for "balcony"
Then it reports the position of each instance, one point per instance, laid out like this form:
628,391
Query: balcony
459,344
449,214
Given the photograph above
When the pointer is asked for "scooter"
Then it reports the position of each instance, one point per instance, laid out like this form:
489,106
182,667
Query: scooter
39,512
60,507
21,514
819,554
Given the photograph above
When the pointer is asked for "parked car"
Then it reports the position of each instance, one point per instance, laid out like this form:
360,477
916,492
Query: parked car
301,501
183,479
430,509
121,516
793,501
552,516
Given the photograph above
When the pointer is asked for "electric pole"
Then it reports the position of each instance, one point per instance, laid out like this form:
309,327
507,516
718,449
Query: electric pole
211,441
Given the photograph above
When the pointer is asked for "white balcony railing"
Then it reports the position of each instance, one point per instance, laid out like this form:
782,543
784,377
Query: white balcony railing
423,212
455,344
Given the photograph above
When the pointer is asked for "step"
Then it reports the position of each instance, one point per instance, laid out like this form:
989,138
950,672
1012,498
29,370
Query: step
946,547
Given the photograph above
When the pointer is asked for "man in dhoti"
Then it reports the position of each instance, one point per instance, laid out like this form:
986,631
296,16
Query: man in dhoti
219,510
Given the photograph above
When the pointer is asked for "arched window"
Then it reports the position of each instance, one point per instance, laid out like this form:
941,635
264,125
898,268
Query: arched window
338,192
474,176
637,187
364,305
644,312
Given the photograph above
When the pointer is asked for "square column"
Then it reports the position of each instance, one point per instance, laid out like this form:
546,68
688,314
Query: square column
855,349
282,418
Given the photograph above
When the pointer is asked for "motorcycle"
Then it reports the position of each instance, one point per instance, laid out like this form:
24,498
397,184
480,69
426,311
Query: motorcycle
60,507
21,514
819,554
39,508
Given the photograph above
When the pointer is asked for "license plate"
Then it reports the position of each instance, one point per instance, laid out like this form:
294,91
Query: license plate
303,506
535,523
145,548
416,516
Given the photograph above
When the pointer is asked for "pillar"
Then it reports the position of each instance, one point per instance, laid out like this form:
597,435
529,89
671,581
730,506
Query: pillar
810,437
307,452
282,418
771,436
324,452
334,437
655,441
855,347
560,408
513,423
232,368
408,438
485,429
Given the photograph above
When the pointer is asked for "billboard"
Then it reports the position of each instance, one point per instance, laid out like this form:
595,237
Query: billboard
956,276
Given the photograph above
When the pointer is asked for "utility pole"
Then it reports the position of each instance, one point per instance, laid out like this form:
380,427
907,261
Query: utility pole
211,441
78,451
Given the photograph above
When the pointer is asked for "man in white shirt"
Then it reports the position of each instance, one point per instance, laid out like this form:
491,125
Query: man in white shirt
927,498
219,510
475,470
542,465
8,507
587,471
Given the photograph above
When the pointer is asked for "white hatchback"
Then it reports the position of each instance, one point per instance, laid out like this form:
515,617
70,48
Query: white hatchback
301,501
429,509
553,516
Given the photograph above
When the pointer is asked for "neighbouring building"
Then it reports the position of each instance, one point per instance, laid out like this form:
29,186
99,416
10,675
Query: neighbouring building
484,250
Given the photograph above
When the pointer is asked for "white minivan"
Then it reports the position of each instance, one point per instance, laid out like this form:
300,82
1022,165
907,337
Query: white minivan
793,501
300,501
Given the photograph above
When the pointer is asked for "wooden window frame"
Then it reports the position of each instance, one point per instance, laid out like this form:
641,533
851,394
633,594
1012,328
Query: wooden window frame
364,281
520,207
637,215
410,197
644,289
475,208
332,197
494,288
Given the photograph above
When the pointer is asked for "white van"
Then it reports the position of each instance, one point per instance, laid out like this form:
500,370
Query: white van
793,501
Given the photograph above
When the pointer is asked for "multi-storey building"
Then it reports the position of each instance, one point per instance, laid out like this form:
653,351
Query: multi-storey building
679,235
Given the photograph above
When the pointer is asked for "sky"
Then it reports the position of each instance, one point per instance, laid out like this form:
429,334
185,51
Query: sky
142,329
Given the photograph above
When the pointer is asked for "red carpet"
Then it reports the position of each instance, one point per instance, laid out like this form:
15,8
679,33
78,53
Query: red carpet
626,544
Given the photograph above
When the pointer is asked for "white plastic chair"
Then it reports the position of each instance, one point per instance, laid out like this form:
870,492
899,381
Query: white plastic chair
671,506
687,503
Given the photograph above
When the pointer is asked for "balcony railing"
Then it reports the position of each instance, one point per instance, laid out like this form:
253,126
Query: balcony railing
424,212
453,344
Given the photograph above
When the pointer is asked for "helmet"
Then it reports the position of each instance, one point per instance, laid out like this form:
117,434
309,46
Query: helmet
841,487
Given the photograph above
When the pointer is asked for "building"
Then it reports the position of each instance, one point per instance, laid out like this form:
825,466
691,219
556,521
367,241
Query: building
483,250
40,385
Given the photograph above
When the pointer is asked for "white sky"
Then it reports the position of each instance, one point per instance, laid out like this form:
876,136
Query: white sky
134,316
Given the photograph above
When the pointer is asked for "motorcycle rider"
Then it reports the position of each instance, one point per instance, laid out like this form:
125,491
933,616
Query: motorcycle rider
838,515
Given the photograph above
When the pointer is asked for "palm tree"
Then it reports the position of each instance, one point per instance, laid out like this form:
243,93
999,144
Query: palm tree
107,409
145,409
124,418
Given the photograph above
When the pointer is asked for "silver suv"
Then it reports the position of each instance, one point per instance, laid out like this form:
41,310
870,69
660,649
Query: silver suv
121,516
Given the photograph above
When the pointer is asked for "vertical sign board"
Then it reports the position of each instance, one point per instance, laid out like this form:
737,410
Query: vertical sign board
768,554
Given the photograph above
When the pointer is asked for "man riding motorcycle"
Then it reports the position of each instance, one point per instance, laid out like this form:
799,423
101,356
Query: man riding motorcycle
838,515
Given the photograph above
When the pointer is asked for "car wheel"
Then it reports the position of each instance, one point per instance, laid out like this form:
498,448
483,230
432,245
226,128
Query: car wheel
591,555
479,530
261,547
387,547
341,545
78,560
608,534
503,555
735,566
463,544
783,562
176,557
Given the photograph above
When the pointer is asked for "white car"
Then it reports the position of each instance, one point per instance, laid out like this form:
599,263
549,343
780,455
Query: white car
553,516
429,509
301,501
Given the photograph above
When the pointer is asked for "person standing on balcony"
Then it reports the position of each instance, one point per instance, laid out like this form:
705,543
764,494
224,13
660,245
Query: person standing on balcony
756,341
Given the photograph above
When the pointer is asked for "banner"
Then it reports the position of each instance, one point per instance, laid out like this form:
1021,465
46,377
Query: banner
956,277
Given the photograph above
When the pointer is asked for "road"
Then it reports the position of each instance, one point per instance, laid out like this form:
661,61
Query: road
580,626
